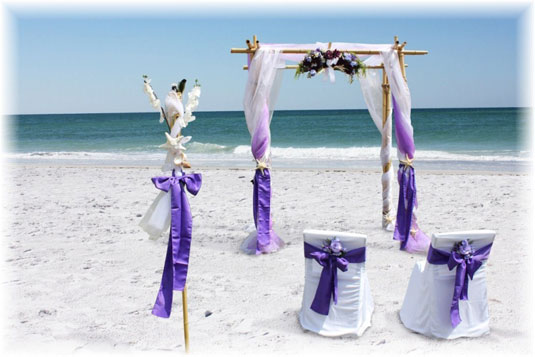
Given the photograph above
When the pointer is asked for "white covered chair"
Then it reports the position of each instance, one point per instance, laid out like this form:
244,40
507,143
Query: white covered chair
353,310
428,300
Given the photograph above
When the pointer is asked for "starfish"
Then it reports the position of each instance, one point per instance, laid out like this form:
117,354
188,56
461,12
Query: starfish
262,166
407,162
175,145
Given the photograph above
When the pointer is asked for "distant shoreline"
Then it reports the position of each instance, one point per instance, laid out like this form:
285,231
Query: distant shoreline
276,110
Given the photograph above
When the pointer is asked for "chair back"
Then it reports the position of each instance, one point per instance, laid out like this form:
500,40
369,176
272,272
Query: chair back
349,240
478,239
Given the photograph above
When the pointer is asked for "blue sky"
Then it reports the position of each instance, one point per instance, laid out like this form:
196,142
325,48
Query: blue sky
76,64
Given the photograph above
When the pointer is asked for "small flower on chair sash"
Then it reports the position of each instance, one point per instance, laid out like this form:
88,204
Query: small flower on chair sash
334,247
464,249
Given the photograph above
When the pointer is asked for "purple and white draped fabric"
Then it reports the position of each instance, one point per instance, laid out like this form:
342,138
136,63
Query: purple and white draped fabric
328,283
175,269
259,99
407,231
466,266
261,92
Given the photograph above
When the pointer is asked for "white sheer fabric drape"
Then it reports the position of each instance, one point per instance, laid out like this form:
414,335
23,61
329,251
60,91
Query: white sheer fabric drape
372,91
400,90
263,84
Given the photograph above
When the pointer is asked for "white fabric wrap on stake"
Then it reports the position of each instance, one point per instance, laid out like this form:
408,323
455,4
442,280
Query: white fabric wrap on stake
157,219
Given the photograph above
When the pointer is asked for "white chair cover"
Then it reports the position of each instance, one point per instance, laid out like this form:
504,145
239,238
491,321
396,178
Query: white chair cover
352,314
426,307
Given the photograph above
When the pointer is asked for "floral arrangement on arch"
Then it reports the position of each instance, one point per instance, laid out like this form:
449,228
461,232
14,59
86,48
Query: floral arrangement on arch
317,61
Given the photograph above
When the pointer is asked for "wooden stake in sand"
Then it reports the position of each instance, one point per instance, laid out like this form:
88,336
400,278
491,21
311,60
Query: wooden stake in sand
185,317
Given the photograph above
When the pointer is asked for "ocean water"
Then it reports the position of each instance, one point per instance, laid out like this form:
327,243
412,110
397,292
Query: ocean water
472,139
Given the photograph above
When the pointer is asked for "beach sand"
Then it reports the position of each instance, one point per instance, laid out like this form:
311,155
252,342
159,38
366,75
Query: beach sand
80,275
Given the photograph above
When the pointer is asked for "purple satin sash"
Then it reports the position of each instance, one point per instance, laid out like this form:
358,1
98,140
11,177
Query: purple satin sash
266,240
406,202
175,268
328,284
466,268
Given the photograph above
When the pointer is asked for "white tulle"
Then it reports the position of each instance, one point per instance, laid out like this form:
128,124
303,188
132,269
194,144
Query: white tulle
426,307
353,311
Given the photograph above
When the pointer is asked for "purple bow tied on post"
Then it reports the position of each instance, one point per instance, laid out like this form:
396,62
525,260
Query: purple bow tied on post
467,261
331,260
175,268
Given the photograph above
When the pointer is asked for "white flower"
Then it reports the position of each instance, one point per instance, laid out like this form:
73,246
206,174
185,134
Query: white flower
191,106
153,99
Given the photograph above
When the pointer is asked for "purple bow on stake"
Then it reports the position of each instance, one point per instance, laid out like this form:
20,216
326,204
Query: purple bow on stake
467,261
331,261
175,268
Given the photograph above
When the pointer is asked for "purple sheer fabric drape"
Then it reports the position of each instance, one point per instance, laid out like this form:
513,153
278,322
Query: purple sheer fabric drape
267,240
412,239
175,269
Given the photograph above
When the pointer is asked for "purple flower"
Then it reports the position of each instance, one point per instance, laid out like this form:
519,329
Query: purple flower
329,55
312,72
336,246
336,53
464,249
353,63
308,58
347,56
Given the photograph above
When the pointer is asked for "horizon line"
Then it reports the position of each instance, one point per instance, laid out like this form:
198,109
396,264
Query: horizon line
277,110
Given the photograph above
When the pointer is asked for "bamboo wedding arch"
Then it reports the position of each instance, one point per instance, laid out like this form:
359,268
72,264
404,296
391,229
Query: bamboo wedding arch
386,162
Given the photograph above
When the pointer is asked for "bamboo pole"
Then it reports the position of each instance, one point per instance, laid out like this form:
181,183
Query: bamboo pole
357,52
386,142
295,66
185,317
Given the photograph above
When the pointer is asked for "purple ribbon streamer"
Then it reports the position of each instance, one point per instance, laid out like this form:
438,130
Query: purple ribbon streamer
328,284
466,268
266,240
175,269
406,202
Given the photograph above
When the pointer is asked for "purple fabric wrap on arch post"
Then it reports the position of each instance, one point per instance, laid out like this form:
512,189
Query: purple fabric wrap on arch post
411,238
175,269
465,270
267,241
328,283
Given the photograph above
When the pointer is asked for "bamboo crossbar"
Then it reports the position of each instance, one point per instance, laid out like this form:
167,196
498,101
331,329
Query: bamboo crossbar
295,66
360,52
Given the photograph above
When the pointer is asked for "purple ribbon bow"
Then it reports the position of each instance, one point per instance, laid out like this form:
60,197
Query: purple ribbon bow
328,284
467,265
175,268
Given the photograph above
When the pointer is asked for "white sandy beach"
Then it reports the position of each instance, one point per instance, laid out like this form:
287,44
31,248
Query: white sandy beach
80,275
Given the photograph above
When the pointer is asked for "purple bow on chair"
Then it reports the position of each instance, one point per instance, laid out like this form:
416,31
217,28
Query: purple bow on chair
328,284
175,268
467,261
